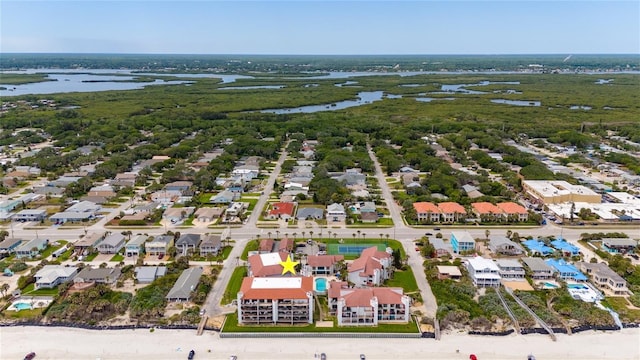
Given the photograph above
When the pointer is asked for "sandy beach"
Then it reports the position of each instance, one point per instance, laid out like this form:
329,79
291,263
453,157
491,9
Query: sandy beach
72,344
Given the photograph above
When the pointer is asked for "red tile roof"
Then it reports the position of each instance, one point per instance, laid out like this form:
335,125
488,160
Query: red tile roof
266,245
276,293
335,287
368,261
425,207
323,260
451,208
258,269
282,208
485,208
285,245
512,208
362,297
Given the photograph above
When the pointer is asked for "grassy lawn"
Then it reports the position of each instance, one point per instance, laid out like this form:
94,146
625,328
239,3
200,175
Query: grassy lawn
117,257
23,314
90,257
252,202
231,325
46,252
251,246
234,284
404,279
204,198
29,290
619,305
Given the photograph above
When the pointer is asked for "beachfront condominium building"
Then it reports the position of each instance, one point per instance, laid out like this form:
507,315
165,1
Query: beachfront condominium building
483,272
369,306
276,300
462,241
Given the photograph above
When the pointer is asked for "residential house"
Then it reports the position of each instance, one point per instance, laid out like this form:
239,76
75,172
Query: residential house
267,264
250,171
372,268
266,246
619,246
30,215
566,271
449,272
281,210
210,244
146,274
208,214
185,285
105,191
426,212
566,248
537,247
82,211
64,181
513,211
166,197
235,209
483,272
371,306
31,248
98,275
440,247
322,264
177,215
451,212
159,245
9,245
472,191
538,269
499,244
178,186
135,246
462,241
605,278
336,213
309,213
285,245
52,191
124,180
51,276
111,244
224,197
510,269
187,242
91,240
274,300
369,217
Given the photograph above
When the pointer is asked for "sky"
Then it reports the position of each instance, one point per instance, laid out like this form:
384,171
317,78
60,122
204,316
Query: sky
308,27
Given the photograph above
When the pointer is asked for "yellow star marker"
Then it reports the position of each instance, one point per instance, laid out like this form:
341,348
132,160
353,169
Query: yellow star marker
289,266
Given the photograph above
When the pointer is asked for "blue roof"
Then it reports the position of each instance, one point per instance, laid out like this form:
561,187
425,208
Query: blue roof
538,246
565,247
563,267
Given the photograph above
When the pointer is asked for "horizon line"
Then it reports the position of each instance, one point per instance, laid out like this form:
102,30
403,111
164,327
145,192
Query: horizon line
283,54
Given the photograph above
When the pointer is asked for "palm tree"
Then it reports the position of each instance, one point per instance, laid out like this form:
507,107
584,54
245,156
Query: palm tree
358,233
329,234
354,235
303,234
335,235
295,234
363,234
5,287
277,234
311,234
486,234
509,232
269,234
286,235
381,235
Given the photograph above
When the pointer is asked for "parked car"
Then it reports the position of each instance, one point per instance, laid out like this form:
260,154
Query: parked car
30,356
362,357
192,354
233,357
323,356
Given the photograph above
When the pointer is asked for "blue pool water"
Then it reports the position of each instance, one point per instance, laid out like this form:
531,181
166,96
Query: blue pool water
576,286
321,284
22,306
550,285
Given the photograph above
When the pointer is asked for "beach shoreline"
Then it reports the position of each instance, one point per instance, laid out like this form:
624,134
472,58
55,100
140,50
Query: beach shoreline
72,344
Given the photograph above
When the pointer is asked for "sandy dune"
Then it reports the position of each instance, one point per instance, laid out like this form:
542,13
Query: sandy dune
72,344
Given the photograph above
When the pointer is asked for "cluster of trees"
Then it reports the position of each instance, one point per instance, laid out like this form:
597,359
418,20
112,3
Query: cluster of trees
90,306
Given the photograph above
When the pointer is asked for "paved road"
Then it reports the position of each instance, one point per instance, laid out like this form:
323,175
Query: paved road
405,234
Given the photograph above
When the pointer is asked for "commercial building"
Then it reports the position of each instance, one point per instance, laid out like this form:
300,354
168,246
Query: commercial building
554,192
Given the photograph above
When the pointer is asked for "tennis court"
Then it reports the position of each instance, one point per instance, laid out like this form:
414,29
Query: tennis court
351,249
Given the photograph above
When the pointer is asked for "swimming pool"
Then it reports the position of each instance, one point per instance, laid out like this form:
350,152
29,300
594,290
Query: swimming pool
577,286
17,306
548,285
321,284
